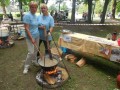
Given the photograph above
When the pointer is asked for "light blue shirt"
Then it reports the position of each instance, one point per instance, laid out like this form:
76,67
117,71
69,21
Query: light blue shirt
48,22
31,19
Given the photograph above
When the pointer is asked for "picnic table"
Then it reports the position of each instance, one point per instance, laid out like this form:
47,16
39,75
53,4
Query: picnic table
14,26
91,44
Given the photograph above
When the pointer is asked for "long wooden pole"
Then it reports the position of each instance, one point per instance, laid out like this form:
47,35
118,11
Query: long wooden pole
48,46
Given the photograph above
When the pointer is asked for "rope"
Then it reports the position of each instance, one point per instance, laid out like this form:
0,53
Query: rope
86,24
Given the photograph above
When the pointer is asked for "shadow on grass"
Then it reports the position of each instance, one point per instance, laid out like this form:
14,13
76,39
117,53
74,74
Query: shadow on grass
108,67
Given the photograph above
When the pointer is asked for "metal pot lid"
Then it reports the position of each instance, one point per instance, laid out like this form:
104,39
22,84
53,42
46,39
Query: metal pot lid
48,62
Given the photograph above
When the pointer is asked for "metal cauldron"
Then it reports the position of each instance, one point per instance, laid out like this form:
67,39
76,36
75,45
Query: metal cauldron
47,64
4,33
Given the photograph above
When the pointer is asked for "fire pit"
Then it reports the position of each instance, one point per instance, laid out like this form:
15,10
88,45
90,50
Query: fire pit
5,42
4,38
52,79
51,75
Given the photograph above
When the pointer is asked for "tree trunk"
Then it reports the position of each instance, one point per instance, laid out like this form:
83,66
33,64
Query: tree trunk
4,11
46,1
59,6
20,8
39,6
89,11
104,11
73,11
42,1
113,9
21,11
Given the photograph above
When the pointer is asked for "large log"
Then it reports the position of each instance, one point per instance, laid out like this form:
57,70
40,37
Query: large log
49,79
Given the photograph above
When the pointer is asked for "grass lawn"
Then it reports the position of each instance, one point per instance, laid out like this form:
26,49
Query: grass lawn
85,78
92,76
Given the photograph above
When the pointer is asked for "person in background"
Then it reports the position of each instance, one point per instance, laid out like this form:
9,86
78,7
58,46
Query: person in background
101,14
56,16
51,13
11,16
31,27
66,14
46,22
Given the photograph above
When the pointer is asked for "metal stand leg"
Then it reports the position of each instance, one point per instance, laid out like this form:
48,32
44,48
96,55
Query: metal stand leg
42,76
60,56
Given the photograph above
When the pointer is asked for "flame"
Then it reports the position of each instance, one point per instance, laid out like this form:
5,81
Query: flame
51,72
0,41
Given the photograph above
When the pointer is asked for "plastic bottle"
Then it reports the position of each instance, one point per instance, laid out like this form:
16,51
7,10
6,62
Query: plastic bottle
114,36
118,80
109,36
118,36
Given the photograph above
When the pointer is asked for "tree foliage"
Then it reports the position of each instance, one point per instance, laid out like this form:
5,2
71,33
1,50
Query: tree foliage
98,7
52,7
4,3
118,7
64,6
